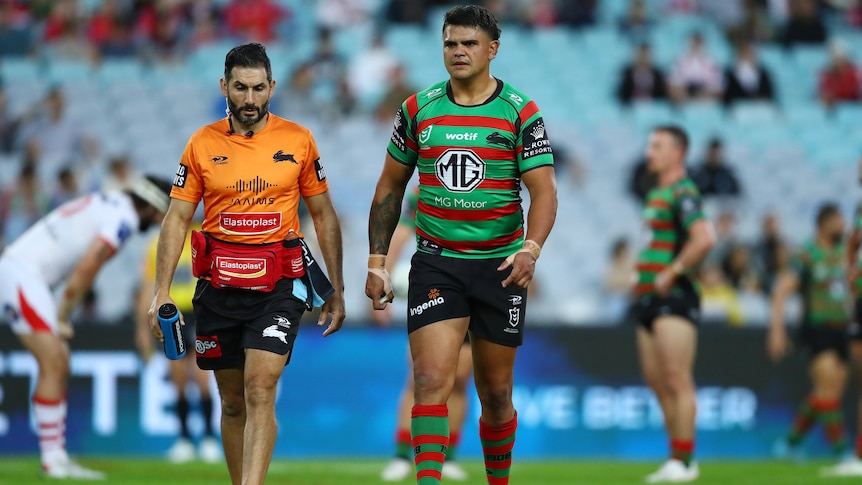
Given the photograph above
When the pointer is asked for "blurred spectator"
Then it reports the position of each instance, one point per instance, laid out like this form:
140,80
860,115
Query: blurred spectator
618,280
804,25
407,11
110,30
681,7
540,14
713,177
840,81
725,238
66,188
770,251
67,38
641,80
695,75
641,181
577,14
398,91
636,24
159,27
16,30
755,27
253,20
120,174
336,14
370,70
204,18
324,78
718,299
58,140
747,79
297,101
8,123
739,270
22,203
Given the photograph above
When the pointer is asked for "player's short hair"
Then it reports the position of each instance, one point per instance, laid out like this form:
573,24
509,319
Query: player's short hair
826,211
473,16
247,55
677,133
151,190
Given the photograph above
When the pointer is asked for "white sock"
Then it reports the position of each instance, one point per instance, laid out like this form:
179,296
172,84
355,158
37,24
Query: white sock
51,422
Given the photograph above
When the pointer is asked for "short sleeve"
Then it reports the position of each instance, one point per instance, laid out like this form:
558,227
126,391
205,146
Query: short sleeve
402,144
188,182
117,228
312,176
534,147
689,206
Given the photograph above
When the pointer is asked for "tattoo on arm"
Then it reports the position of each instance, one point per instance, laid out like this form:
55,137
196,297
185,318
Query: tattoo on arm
381,223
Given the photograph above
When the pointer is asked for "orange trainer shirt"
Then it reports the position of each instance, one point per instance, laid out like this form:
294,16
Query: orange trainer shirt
250,186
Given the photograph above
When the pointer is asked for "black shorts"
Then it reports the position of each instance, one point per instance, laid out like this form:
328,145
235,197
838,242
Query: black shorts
443,288
822,339
231,320
683,301
855,328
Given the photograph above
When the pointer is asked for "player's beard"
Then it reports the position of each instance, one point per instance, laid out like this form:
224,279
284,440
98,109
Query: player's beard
236,111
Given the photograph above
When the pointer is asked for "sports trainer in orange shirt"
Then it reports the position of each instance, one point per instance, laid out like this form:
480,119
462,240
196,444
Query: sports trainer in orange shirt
255,276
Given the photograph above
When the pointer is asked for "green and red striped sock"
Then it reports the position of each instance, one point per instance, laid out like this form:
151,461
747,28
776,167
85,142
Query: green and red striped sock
829,413
430,429
454,441
682,450
403,443
806,415
497,444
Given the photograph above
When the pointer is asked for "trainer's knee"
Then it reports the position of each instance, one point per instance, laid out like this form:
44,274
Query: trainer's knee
233,405
260,392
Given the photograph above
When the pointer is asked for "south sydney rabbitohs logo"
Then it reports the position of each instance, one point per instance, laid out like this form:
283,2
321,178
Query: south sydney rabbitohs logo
459,170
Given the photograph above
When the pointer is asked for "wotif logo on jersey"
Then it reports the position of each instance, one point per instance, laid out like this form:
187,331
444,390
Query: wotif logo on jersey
241,267
249,223
462,136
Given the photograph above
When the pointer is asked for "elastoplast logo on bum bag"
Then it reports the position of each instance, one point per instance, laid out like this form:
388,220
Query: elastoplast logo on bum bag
240,267
249,223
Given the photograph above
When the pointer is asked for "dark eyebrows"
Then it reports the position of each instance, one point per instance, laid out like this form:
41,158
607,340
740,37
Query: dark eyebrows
239,84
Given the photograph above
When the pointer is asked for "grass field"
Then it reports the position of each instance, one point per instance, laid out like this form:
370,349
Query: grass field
20,471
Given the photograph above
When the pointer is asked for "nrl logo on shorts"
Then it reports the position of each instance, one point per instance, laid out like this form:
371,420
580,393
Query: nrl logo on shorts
425,134
514,320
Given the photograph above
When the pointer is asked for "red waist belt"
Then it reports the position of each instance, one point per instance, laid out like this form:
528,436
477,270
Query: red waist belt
247,266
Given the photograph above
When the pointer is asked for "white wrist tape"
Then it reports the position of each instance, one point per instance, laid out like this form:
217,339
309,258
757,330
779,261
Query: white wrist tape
387,284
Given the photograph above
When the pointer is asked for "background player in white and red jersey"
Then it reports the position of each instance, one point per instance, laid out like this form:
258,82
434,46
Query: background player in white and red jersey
67,248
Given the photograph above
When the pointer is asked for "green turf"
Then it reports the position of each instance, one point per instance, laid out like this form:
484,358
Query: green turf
154,472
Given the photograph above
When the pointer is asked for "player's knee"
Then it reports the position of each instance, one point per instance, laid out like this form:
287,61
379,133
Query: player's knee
496,402
676,383
429,379
233,406
54,368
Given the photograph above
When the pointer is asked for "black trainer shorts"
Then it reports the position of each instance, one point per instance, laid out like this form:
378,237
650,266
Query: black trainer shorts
232,320
683,301
443,288
818,339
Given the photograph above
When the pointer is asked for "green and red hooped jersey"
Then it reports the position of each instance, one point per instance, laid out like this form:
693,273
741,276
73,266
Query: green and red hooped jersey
668,215
823,284
411,205
470,160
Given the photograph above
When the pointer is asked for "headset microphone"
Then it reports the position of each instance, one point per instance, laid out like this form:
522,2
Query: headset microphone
248,134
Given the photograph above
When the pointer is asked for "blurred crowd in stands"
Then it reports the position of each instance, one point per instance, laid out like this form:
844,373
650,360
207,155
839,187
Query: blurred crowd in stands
328,85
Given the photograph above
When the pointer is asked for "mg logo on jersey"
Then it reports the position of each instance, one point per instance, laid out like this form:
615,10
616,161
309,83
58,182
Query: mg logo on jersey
241,267
249,223
460,170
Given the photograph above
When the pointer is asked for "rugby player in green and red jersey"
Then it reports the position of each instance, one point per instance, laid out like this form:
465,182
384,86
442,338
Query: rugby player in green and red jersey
667,301
474,140
819,274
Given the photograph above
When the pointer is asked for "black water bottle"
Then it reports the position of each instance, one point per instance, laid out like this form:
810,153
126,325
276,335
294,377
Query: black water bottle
169,321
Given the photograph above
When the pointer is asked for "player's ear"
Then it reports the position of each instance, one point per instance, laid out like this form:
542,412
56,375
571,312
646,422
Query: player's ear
492,49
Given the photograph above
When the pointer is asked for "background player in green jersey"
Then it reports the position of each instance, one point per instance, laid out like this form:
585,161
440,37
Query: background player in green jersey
400,466
667,301
474,140
819,274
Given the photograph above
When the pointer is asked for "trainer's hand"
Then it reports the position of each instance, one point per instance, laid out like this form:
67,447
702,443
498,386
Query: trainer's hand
66,330
664,281
334,307
159,300
776,344
523,266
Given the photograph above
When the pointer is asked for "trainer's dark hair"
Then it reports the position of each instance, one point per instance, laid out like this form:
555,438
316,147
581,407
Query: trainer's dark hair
473,16
826,211
247,55
680,137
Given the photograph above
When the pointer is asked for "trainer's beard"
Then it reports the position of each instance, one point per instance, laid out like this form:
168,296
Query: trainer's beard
236,111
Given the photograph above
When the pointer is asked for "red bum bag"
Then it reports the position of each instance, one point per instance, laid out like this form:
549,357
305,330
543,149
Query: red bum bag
255,267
